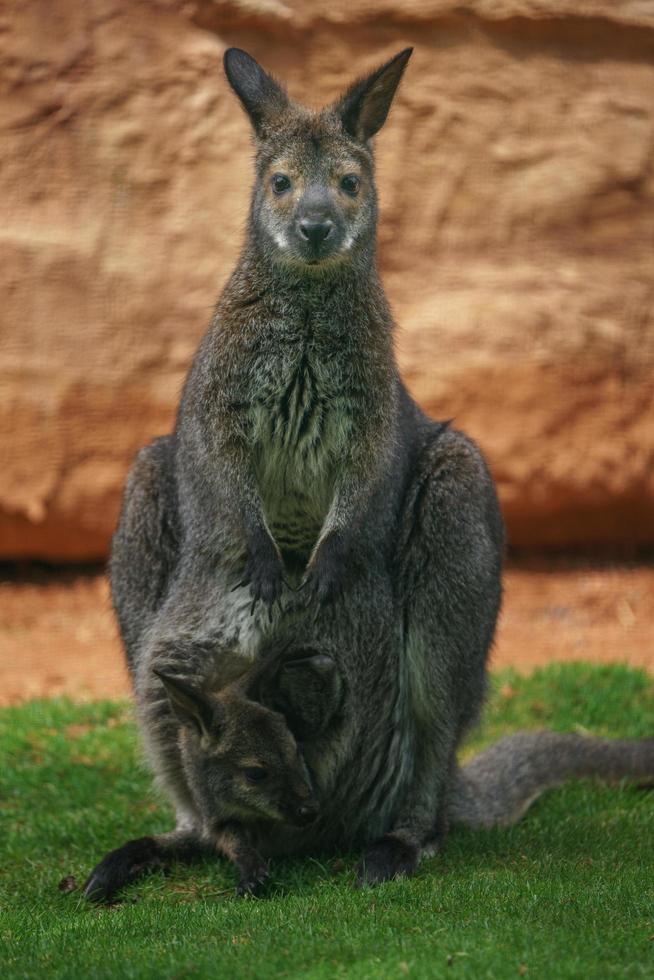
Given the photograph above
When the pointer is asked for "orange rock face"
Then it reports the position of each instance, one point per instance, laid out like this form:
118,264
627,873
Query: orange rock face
517,229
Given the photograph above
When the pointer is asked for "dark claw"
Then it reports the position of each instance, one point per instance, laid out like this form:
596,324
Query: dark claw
240,585
252,883
263,574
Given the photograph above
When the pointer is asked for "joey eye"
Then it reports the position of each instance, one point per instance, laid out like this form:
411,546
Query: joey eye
350,184
280,183
255,774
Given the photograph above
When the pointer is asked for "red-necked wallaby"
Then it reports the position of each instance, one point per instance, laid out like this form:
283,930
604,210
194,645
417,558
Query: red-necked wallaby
303,490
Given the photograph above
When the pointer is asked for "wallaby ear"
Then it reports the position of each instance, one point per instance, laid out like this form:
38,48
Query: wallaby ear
364,107
309,692
258,679
192,706
261,96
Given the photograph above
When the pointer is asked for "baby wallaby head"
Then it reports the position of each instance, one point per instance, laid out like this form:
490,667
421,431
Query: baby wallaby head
242,745
314,199
240,758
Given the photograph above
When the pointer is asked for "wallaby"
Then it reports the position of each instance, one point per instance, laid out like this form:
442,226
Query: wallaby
303,490
242,764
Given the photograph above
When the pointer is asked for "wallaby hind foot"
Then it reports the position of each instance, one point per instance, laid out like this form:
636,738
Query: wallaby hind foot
126,864
387,858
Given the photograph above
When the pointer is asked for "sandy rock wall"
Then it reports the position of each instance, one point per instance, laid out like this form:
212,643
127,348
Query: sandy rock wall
516,241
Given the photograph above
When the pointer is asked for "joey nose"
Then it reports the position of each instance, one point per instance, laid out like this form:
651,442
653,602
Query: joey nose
316,232
306,814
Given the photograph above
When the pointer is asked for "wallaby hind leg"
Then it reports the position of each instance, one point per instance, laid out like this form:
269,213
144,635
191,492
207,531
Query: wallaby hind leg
144,555
448,585
145,546
126,864
136,858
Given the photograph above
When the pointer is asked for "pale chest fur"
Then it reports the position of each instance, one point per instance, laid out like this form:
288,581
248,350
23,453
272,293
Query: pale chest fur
301,420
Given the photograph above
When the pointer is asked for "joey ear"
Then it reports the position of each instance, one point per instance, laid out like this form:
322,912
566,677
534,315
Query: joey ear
310,694
261,96
257,680
364,107
191,706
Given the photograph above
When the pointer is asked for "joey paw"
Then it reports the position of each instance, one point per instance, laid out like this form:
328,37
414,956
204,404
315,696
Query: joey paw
387,858
252,881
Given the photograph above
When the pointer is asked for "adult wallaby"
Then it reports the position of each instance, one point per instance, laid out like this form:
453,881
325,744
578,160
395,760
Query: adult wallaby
298,459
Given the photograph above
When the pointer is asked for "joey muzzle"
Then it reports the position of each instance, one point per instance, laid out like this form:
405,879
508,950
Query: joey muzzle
302,815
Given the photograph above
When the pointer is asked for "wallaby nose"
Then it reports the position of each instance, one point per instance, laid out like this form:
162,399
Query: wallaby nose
306,814
316,232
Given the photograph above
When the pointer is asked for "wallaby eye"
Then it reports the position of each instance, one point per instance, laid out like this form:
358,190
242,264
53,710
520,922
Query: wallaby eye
255,774
280,183
350,184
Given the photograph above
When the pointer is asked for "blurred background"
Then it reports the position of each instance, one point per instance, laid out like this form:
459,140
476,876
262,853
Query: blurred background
516,177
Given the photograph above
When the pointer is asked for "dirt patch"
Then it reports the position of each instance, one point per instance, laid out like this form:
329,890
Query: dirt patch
57,633
58,636
556,610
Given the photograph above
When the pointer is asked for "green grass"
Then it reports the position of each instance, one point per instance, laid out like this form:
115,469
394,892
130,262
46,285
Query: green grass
569,892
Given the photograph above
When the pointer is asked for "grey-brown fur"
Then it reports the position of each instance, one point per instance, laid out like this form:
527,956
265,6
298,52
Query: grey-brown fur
304,493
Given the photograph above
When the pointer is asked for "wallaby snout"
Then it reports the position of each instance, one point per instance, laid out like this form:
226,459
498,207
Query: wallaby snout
303,815
316,232
318,239
317,224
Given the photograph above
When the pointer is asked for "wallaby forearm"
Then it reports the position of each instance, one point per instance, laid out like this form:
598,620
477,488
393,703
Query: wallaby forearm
219,493
359,472
128,863
224,508
362,468
231,841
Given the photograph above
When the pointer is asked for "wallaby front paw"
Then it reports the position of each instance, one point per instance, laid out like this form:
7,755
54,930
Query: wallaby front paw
266,580
387,858
252,881
264,572
324,578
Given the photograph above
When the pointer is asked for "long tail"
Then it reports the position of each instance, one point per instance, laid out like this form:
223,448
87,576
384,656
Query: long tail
497,786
